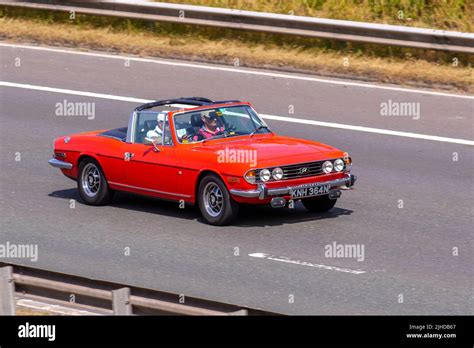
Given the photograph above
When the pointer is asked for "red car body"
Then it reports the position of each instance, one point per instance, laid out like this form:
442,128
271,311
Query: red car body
174,172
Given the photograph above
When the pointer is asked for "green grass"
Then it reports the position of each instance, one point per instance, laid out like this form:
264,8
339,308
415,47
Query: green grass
455,15
324,57
251,39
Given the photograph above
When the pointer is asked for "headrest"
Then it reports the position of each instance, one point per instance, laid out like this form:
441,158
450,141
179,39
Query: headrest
150,124
196,120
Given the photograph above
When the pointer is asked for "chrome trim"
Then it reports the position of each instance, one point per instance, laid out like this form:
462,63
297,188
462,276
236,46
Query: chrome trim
60,164
282,166
132,125
211,107
263,192
213,199
150,190
91,180
127,156
131,128
111,136
246,193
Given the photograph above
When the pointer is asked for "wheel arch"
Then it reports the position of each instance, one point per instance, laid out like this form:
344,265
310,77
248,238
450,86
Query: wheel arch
200,176
84,156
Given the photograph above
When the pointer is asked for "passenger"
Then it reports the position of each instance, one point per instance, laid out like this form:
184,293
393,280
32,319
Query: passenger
157,132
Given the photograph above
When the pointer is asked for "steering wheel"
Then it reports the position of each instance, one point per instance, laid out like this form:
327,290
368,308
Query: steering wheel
198,136
231,128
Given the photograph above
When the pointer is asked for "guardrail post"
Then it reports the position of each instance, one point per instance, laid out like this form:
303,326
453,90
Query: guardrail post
121,301
7,291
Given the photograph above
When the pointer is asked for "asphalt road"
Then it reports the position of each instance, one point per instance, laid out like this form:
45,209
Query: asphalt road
408,250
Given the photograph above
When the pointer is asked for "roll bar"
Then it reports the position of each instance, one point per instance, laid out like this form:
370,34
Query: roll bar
192,101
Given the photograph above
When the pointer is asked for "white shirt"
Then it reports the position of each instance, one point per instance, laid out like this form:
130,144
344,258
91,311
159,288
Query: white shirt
154,133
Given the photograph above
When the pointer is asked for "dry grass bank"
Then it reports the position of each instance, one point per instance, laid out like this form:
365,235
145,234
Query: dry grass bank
406,71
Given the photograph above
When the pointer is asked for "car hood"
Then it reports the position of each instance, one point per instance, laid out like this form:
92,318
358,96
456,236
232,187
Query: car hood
272,150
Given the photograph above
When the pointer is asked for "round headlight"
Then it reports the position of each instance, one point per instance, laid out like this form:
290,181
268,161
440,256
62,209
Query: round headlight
277,173
338,165
327,167
265,175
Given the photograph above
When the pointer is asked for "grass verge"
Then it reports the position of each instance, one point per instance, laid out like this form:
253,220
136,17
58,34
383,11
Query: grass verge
24,311
225,49
441,14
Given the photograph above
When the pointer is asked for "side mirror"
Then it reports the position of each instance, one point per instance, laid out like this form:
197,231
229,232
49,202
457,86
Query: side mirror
153,141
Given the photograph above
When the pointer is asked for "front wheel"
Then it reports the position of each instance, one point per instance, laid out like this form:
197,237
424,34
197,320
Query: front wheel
216,205
319,204
91,183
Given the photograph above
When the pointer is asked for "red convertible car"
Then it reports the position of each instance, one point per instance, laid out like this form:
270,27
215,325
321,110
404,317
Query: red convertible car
216,154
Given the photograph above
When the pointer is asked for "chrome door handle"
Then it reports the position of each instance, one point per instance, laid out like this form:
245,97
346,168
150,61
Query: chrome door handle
127,156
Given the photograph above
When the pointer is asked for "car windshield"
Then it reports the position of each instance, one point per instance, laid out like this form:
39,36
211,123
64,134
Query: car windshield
203,125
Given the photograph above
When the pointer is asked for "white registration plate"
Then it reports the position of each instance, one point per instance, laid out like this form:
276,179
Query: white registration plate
309,191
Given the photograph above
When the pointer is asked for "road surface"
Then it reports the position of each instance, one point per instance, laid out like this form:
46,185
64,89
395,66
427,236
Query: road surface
411,210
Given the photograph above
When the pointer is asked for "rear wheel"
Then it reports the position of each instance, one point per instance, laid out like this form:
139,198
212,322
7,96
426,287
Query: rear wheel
319,203
91,183
216,205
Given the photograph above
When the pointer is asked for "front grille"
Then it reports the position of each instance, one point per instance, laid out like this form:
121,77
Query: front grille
300,170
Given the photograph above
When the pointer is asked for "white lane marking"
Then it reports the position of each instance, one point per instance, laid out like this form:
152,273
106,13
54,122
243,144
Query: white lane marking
369,129
270,117
73,92
304,263
241,71
52,308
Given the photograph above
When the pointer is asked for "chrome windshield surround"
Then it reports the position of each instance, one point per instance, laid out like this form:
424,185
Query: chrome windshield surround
213,107
131,128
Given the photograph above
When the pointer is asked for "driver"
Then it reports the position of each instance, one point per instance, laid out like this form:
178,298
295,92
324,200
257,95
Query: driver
157,132
209,127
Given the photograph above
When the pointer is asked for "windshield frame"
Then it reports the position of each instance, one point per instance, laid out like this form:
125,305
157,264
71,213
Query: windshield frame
213,107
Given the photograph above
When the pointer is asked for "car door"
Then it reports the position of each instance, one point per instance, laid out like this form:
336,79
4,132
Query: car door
151,169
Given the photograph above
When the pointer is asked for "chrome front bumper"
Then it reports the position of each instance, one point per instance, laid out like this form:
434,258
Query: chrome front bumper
59,164
262,191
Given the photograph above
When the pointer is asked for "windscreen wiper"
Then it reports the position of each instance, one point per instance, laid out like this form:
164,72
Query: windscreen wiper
258,128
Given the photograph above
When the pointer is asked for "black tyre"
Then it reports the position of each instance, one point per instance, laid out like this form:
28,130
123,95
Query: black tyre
319,204
92,184
216,205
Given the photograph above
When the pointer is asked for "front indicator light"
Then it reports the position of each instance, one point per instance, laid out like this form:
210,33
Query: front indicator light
277,173
250,176
338,165
327,167
265,175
